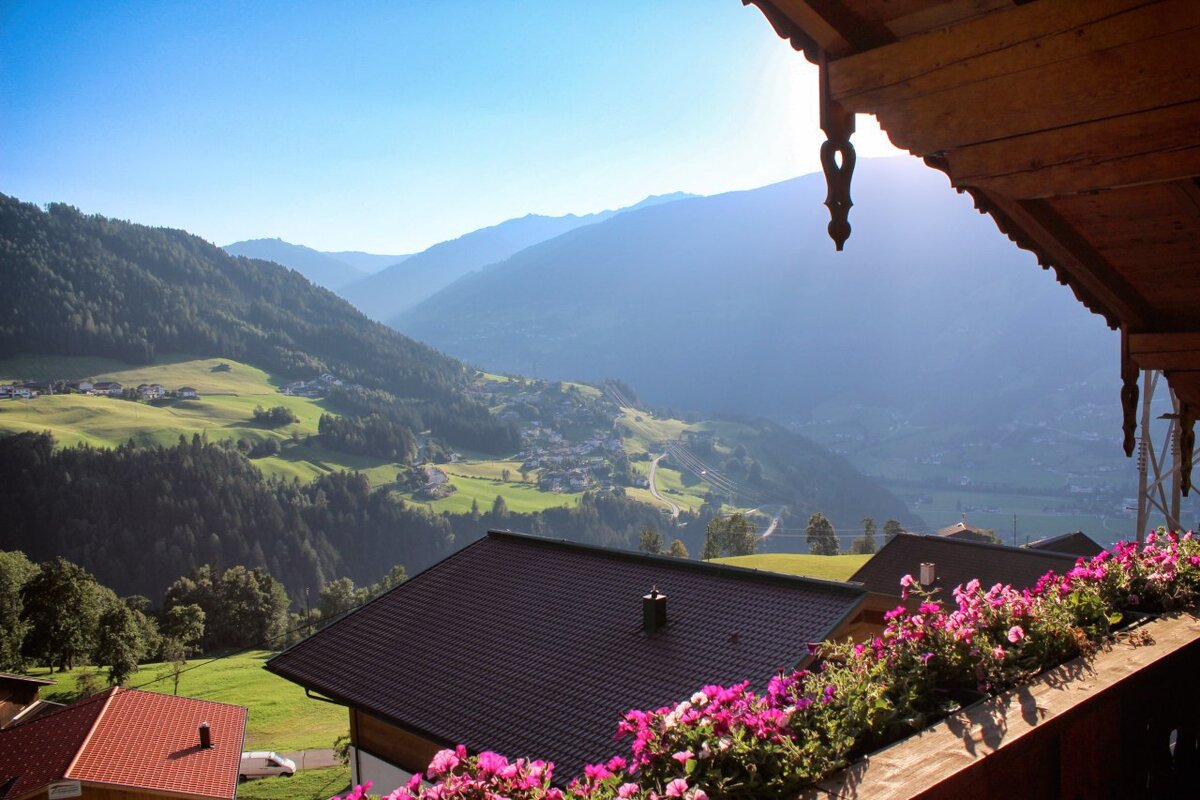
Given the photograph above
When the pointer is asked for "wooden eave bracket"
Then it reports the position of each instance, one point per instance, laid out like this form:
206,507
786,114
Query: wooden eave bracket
1130,393
837,160
1187,446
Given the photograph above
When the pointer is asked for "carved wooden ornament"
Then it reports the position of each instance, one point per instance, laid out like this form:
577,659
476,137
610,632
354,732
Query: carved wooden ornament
837,159
1129,394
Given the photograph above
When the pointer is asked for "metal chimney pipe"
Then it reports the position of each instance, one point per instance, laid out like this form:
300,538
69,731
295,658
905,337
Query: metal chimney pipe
928,573
205,737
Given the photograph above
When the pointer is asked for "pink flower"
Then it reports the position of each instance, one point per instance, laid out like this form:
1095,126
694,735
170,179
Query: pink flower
682,756
626,789
597,772
998,653
677,787
907,581
1016,634
443,761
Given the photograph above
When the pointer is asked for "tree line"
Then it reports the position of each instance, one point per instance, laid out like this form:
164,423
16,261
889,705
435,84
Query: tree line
57,614
137,517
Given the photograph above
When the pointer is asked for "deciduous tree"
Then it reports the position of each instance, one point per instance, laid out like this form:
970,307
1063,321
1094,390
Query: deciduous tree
822,540
15,571
62,608
650,540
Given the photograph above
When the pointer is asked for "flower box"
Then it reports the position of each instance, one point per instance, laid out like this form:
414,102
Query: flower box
1122,723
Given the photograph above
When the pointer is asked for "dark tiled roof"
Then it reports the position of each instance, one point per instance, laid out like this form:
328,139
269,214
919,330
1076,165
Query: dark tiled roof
35,754
534,647
956,562
8,676
1076,544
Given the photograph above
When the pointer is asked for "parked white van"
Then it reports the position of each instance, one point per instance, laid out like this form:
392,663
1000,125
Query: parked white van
265,764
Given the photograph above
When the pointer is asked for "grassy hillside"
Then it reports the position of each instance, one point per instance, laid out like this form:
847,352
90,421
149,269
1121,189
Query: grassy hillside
830,568
223,411
281,717
309,784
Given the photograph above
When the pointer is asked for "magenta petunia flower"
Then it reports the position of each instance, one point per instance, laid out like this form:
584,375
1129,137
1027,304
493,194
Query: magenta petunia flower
1016,633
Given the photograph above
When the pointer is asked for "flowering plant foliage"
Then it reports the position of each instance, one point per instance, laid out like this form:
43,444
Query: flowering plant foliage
733,742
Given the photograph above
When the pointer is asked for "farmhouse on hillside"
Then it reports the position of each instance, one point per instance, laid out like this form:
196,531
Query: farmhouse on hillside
941,564
536,647
125,744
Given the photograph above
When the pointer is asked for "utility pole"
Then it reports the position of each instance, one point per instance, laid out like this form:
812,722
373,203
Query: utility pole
1014,530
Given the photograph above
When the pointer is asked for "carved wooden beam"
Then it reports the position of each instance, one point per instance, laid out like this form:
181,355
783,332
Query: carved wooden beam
837,159
1129,394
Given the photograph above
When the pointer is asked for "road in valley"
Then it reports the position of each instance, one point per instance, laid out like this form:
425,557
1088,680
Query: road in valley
654,487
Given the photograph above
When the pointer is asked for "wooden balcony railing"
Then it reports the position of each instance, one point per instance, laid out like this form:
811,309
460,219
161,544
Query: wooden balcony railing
1124,723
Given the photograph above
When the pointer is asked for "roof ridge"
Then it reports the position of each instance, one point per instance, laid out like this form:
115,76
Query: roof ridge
678,563
972,543
112,692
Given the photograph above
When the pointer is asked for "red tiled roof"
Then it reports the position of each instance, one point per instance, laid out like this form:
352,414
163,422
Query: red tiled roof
151,741
40,751
534,647
128,737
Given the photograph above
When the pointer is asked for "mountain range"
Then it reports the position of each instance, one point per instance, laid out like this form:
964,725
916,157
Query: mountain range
739,303
329,270
401,286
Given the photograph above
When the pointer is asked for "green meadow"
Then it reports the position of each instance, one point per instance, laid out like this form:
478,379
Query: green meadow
308,784
280,718
523,498
830,568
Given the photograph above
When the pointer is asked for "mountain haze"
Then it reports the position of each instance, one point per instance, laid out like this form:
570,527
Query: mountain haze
321,268
739,302
366,263
393,290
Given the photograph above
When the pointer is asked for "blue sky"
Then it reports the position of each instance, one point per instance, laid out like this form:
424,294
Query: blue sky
389,126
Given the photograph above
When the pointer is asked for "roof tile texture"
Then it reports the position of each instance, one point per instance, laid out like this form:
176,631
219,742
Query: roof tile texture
128,738
39,752
152,741
533,647
956,562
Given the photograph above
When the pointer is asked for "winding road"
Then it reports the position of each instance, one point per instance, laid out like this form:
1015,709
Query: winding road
654,486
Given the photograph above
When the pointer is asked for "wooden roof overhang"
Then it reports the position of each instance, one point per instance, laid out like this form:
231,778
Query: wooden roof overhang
1074,123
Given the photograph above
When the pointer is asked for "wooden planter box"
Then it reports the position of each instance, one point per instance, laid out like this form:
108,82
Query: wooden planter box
1124,723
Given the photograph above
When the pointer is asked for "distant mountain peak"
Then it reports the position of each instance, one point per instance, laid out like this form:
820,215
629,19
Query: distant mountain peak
396,289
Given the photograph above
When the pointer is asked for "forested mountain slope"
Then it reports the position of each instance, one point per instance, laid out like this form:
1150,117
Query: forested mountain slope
74,284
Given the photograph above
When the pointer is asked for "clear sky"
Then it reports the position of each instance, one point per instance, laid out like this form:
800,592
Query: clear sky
389,126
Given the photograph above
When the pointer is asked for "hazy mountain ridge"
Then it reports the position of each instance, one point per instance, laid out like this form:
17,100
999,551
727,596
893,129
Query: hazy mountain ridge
739,302
399,287
328,270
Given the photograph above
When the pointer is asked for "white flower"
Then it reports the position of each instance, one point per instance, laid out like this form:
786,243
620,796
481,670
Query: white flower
699,699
